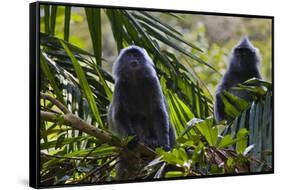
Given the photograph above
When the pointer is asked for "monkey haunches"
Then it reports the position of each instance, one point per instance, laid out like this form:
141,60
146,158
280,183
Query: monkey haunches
138,107
243,65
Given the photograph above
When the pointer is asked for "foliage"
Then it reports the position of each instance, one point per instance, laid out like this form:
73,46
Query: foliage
77,78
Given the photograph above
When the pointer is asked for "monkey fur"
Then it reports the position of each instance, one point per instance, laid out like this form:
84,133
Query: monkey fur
138,107
243,64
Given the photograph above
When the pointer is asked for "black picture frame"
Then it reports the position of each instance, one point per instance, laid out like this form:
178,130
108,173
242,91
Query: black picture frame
34,94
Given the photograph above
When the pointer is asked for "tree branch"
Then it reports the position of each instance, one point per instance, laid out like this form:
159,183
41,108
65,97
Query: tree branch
77,123
55,102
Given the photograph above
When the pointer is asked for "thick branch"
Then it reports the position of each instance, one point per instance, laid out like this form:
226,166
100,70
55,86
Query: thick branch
75,122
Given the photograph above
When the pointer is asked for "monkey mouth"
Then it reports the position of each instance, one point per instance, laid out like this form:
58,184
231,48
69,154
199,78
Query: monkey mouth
134,64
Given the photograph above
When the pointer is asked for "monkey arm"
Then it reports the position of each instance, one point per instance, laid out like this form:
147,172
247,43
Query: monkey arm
172,136
119,122
161,128
219,108
118,116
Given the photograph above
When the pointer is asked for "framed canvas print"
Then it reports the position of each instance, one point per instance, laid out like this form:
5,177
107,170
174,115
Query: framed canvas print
121,94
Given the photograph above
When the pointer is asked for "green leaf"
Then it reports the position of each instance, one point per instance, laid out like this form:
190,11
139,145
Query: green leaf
94,24
172,174
209,132
151,23
148,15
46,70
84,85
116,27
241,144
53,19
67,16
229,109
64,141
230,162
239,103
258,82
226,141
47,18
170,43
105,86
100,151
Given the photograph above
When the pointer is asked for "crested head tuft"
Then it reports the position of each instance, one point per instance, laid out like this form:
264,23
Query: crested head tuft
245,43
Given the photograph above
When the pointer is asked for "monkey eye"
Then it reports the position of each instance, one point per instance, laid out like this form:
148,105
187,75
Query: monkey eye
243,52
129,54
133,54
137,56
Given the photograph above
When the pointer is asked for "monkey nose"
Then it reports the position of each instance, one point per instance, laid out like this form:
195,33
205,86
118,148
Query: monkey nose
134,63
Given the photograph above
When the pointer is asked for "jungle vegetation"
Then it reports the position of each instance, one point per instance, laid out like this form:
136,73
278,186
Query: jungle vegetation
77,49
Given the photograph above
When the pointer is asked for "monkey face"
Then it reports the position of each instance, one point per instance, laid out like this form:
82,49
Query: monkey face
244,52
133,64
133,59
245,55
245,58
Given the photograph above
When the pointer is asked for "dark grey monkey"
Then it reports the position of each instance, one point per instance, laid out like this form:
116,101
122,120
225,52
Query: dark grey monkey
138,107
243,64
